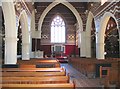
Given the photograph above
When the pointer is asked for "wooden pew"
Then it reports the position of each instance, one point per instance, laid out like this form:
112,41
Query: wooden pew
105,77
39,86
37,60
107,69
32,69
88,66
32,74
45,63
27,66
35,80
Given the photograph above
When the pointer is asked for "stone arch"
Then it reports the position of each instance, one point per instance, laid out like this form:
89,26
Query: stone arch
101,34
88,33
75,12
10,33
25,35
68,5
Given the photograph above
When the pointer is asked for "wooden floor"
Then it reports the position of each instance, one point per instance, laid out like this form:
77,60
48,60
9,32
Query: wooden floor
79,78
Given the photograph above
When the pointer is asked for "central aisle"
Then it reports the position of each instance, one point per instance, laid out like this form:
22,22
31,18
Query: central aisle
80,79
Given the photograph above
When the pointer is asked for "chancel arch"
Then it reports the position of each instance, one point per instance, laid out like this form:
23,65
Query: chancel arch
71,8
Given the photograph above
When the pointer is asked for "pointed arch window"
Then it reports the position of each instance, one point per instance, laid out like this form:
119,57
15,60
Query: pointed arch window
58,30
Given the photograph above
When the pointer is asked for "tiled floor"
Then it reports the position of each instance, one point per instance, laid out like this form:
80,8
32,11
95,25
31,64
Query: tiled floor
79,78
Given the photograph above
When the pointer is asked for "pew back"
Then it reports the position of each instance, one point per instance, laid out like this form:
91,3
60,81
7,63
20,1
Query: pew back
35,80
34,74
40,63
32,69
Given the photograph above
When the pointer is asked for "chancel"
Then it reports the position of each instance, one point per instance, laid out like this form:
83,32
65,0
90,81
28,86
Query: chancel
60,44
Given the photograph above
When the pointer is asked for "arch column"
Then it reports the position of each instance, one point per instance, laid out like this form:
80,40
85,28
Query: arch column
25,36
32,31
10,50
25,42
25,51
100,37
88,46
10,33
82,47
88,34
100,50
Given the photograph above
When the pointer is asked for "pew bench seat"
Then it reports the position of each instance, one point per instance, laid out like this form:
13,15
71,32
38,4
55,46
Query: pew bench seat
39,86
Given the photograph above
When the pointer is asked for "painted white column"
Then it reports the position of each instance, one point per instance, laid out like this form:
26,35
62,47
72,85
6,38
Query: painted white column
10,50
33,23
88,45
25,51
88,34
100,50
25,44
10,33
25,36
32,55
82,48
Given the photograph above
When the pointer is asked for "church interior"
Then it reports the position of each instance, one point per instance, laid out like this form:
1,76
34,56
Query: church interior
60,44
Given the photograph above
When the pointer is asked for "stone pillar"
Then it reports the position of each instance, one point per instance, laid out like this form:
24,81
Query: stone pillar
25,36
25,51
100,50
33,23
88,46
32,54
88,34
25,44
10,50
82,47
10,33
